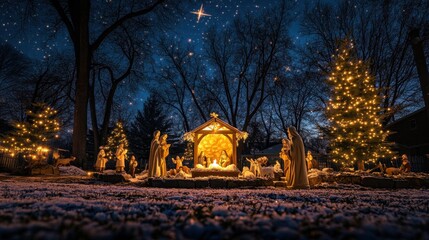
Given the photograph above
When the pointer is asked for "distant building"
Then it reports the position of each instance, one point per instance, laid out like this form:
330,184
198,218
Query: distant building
411,133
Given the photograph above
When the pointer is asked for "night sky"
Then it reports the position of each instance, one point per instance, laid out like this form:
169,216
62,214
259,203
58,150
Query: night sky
33,40
38,40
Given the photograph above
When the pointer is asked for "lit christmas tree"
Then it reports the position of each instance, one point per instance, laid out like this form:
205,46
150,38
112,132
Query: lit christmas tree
115,138
31,137
189,151
353,112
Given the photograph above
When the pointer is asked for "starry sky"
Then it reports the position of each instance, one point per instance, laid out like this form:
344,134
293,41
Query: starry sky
223,13
39,40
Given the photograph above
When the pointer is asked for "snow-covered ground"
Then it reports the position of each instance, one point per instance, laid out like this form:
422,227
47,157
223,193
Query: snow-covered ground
71,171
48,210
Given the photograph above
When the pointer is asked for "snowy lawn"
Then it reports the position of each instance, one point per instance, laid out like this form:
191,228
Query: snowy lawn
40,209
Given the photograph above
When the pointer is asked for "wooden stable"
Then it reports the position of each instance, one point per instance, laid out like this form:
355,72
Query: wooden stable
214,136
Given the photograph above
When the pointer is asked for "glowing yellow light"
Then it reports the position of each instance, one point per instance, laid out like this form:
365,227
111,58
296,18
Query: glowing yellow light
200,13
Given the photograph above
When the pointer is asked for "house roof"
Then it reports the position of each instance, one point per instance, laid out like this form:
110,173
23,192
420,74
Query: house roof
221,126
408,116
273,150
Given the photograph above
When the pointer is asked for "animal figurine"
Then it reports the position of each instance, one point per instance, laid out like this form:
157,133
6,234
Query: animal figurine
64,161
247,173
269,172
262,160
277,167
255,167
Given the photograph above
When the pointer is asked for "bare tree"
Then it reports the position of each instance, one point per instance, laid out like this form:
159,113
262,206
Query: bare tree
246,60
14,68
108,76
294,99
379,30
43,84
89,24
182,75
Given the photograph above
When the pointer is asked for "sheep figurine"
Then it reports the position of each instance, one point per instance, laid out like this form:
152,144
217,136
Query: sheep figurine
247,173
255,167
278,167
269,172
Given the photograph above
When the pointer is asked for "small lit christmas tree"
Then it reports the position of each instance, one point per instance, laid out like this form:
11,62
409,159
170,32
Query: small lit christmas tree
353,112
116,137
189,151
31,137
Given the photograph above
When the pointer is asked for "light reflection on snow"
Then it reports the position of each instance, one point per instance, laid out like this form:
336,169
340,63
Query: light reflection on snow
55,210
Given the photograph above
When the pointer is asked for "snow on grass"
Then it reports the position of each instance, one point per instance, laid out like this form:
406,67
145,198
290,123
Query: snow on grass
40,210
71,171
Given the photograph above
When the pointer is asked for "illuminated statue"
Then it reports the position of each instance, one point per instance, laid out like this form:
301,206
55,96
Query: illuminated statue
133,165
178,161
405,166
153,146
161,153
255,167
284,155
298,169
224,160
202,159
311,162
100,164
120,158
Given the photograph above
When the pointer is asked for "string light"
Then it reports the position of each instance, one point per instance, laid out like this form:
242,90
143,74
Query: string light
31,137
354,111
116,137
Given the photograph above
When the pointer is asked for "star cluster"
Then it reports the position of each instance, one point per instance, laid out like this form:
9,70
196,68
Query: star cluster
38,37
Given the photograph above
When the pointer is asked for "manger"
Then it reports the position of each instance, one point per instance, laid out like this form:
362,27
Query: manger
215,148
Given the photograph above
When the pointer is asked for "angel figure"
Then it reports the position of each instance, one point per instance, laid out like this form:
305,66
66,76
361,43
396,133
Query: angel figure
178,161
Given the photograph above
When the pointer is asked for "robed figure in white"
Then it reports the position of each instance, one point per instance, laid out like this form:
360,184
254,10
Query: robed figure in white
160,155
153,146
298,169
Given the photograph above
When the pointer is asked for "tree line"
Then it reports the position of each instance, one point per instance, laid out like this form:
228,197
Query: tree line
254,73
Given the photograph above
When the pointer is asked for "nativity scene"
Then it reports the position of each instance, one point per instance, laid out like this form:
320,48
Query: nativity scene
215,155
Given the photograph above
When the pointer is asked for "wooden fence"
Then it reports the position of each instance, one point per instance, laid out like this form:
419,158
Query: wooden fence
9,163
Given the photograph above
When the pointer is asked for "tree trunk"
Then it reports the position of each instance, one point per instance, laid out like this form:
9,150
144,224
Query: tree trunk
422,69
361,165
107,113
80,16
95,130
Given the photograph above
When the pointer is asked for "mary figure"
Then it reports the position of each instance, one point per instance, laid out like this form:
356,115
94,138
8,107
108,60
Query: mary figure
153,146
298,170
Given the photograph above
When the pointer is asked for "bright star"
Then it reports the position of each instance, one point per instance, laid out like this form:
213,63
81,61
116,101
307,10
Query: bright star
200,13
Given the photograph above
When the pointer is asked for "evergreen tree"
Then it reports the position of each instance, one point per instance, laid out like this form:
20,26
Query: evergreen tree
5,128
116,137
256,137
31,136
189,151
147,121
353,111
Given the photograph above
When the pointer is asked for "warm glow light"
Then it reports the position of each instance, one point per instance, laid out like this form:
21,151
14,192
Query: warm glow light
200,13
353,112
32,136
